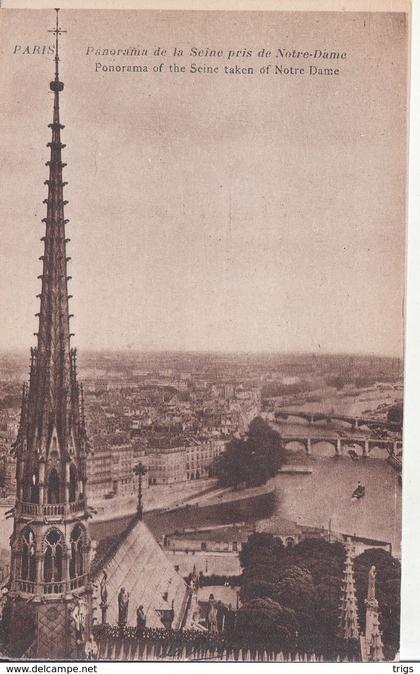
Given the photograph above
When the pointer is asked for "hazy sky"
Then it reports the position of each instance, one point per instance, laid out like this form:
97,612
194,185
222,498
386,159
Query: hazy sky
215,212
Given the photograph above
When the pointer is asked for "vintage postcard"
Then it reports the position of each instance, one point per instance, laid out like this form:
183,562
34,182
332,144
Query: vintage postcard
203,232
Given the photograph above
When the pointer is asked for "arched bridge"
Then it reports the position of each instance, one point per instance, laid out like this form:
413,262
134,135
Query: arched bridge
355,422
339,443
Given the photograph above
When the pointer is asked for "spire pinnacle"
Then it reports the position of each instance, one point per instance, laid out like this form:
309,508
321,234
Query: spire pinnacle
349,621
56,85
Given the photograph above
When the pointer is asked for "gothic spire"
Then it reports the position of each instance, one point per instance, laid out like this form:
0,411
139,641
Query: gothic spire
50,544
348,628
53,415
51,390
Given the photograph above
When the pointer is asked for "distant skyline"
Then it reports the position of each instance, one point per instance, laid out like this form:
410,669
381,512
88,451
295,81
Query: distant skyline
206,213
22,352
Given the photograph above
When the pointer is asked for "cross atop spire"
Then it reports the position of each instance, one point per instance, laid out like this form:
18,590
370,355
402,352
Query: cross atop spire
56,31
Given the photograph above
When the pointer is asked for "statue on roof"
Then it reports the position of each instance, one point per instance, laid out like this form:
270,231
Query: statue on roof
123,599
212,615
141,619
371,583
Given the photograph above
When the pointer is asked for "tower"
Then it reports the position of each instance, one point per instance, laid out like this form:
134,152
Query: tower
49,600
348,628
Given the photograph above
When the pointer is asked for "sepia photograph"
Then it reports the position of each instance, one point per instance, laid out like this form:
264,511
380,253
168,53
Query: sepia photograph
203,271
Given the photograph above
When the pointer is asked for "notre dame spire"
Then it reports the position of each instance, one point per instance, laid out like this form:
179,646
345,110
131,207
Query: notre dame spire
49,593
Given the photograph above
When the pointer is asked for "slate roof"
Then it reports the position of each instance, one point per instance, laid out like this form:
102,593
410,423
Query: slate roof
135,561
278,526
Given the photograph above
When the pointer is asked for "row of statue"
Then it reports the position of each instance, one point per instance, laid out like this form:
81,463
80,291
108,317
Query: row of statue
219,617
123,600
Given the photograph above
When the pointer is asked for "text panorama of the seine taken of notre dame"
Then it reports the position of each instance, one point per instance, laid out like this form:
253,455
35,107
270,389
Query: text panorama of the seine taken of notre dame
201,381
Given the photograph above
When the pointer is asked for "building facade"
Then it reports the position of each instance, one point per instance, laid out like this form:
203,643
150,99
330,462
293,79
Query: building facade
182,460
166,465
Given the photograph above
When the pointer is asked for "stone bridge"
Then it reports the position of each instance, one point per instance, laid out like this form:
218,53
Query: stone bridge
340,443
355,422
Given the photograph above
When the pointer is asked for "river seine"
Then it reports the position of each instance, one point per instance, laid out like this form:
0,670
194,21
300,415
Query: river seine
323,497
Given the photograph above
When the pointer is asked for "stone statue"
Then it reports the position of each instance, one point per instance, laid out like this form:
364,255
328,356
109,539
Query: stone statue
141,619
123,598
371,583
104,589
212,616
79,620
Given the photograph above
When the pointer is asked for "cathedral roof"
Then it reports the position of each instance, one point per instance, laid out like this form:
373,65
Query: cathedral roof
135,561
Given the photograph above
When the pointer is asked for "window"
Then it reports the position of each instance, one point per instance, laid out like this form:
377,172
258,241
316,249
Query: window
27,571
53,557
76,560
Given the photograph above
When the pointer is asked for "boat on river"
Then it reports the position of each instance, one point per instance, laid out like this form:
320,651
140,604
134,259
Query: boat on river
359,492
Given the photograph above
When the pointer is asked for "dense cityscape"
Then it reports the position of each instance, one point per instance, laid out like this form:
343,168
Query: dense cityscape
176,412
180,416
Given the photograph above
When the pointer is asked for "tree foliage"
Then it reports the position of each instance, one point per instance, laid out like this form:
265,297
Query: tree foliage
264,621
396,414
306,580
251,461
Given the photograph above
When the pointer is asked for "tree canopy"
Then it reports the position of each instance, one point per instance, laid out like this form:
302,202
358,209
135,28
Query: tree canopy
251,461
304,583
396,414
264,620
